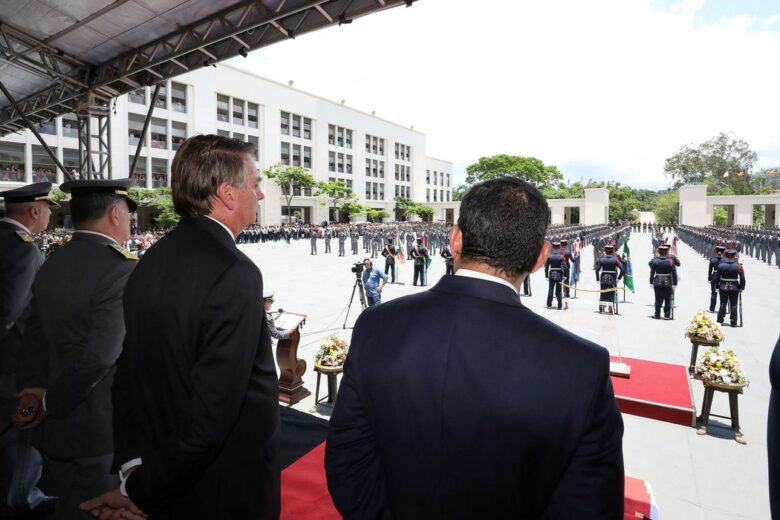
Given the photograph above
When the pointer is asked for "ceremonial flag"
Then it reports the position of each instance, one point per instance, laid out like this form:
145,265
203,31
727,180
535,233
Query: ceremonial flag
400,255
628,273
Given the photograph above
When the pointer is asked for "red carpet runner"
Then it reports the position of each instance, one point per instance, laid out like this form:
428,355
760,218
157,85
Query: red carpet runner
305,491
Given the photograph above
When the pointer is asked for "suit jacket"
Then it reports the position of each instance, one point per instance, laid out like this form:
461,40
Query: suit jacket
73,339
481,410
773,432
196,392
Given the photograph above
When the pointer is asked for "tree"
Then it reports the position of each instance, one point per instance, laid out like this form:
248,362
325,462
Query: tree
529,169
423,211
667,207
459,192
337,192
724,161
351,208
403,204
375,215
290,179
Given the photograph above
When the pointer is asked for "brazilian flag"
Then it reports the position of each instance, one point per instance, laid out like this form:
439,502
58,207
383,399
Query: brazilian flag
628,274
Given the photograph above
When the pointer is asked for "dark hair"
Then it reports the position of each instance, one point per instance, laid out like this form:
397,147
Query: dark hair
201,164
503,222
89,208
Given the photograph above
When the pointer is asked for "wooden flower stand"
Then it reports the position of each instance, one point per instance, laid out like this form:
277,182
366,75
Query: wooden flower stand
333,387
709,392
695,342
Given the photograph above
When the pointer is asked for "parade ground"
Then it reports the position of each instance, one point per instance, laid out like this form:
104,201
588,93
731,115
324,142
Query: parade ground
692,476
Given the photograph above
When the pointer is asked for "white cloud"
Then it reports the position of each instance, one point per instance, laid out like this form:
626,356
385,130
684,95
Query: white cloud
605,90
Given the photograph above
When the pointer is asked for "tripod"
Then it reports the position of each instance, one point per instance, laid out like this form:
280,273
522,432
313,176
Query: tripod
359,288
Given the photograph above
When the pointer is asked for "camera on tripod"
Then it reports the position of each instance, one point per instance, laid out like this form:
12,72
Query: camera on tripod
357,268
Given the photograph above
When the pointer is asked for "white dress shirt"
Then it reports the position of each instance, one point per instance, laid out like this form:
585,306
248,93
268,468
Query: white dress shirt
483,276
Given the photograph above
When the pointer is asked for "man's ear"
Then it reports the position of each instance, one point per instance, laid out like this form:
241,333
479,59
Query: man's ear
456,241
542,258
226,195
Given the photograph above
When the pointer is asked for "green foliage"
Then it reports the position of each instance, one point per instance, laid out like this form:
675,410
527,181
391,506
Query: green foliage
423,211
404,204
716,162
57,195
667,207
352,208
529,169
290,179
720,215
459,192
410,208
375,215
338,193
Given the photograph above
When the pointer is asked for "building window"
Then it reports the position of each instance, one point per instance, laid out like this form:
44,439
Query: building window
448,180
427,176
238,112
368,191
285,123
368,167
349,183
435,178
381,169
374,145
396,190
381,192
427,195
368,143
44,169
135,125
178,134
159,101
159,133
374,191
396,173
223,133
448,196
331,161
178,97
307,156
223,108
374,168
296,125
331,134
381,147
434,195
254,141
349,163
296,155
251,115
348,139
70,126
408,173
71,161
307,128
340,163
396,150
139,174
285,153
340,137
441,195
159,172
137,96
240,137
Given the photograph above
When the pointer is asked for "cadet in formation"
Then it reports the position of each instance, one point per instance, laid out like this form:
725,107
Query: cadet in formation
730,279
663,279
715,260
449,260
608,271
389,252
420,255
555,270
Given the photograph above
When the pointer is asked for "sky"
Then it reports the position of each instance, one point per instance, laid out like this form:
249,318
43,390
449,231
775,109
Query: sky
603,89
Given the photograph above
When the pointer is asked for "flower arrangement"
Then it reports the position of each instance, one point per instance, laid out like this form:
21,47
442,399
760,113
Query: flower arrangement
332,353
721,366
702,327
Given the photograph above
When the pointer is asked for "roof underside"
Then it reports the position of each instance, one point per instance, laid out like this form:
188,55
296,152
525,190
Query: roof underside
59,56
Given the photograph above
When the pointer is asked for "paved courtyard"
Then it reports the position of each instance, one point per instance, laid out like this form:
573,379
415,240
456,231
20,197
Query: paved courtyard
693,477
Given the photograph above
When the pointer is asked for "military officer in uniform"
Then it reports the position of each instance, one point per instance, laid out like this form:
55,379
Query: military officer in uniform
328,235
420,255
27,212
556,271
389,252
313,240
566,252
608,271
342,239
449,261
354,236
268,301
663,279
715,260
730,279
73,339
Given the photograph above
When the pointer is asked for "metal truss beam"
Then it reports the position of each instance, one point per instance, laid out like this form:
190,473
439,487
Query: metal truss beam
234,31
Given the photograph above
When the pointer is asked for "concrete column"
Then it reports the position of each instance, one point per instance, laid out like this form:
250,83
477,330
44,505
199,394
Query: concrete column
557,215
693,206
596,209
743,213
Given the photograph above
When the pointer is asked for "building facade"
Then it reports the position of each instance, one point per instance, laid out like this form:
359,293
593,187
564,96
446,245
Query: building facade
376,158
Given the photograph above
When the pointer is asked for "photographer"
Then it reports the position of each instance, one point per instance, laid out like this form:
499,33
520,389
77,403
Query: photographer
373,281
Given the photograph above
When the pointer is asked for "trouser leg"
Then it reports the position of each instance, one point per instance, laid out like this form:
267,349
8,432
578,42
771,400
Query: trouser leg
20,470
558,294
667,296
733,299
722,308
658,301
550,286
713,297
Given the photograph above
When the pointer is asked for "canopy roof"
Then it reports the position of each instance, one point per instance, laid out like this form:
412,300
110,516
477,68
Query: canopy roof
57,56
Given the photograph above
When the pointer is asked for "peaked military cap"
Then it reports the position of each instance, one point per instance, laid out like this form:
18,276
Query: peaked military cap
731,252
556,243
664,247
30,193
84,188
720,248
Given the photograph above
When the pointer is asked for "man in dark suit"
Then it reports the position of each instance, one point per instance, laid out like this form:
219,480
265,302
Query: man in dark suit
196,421
773,432
479,408
27,213
73,338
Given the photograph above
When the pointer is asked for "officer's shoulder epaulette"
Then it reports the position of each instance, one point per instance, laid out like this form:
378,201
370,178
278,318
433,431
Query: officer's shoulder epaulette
24,235
124,252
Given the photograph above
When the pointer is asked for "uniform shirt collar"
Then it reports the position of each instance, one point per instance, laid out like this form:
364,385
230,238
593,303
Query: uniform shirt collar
227,229
112,239
16,223
483,276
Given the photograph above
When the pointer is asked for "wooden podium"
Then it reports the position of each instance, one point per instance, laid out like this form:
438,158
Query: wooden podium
291,389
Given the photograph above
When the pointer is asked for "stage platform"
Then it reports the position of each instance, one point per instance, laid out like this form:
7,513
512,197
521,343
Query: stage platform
655,390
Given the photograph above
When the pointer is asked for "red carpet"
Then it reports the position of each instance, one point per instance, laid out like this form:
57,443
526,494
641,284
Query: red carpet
657,391
305,491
